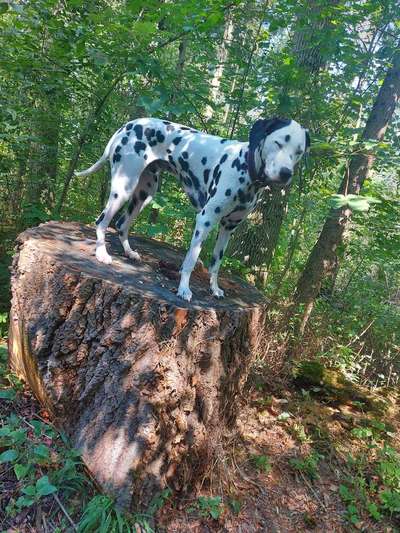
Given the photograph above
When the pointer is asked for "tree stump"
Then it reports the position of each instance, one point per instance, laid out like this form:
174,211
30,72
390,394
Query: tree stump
142,382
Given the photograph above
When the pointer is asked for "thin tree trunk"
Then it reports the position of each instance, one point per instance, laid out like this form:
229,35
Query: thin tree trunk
222,54
323,257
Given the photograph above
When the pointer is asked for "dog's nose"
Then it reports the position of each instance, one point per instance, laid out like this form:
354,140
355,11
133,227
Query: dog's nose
285,174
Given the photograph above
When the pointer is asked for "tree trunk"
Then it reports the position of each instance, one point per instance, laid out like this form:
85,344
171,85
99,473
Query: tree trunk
144,383
323,257
222,54
258,242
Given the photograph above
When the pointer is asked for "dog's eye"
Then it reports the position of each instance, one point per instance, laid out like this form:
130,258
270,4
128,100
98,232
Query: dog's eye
279,144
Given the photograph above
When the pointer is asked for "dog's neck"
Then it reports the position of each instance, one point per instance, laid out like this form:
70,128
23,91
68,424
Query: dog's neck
256,165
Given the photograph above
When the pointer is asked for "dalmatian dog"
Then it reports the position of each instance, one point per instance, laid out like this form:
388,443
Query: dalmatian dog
222,178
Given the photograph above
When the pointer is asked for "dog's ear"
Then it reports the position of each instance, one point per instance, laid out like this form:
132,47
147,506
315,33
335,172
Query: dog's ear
257,132
264,127
308,140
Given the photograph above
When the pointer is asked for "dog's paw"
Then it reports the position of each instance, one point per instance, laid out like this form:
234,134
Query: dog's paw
103,256
218,293
185,293
133,255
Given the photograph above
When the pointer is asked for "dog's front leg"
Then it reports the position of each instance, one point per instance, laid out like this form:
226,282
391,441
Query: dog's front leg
218,253
202,229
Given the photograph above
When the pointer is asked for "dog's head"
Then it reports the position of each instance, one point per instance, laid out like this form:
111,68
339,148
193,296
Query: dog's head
278,144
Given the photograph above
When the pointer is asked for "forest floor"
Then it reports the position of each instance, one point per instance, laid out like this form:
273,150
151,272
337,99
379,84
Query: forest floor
296,461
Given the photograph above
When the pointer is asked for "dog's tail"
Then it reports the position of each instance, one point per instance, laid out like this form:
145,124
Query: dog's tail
100,162
94,167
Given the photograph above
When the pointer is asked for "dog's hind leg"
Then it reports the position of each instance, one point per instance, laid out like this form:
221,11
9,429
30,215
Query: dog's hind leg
122,187
142,196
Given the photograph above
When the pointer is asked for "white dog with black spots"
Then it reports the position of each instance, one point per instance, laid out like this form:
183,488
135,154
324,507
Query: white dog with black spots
222,178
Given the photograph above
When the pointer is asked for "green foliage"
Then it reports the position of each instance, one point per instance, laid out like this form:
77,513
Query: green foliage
308,465
261,463
100,515
208,506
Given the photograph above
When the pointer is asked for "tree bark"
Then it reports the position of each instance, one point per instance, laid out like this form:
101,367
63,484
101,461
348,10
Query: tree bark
222,54
144,383
323,257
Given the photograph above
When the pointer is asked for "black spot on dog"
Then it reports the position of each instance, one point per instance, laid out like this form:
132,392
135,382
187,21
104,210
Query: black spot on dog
223,159
184,128
169,151
184,164
221,254
228,192
235,198
236,163
216,170
118,149
124,140
177,140
206,175
222,141
116,158
138,129
115,195
129,126
120,221
202,198
149,133
187,182
197,233
287,138
242,196
196,182
207,224
171,160
143,195
203,212
242,180
185,155
145,157
204,160
132,205
213,260
139,145
160,137
213,191
120,129
153,142
192,199
166,122
218,210
240,153
100,219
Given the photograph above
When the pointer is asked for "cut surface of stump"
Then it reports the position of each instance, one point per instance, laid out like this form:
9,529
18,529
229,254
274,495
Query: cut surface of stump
142,382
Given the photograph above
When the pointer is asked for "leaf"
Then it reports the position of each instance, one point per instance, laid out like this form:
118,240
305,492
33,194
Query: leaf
44,487
8,394
29,490
41,452
8,456
23,501
21,470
